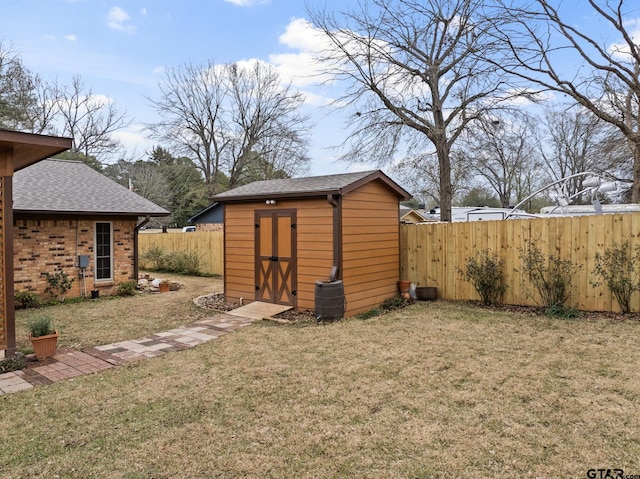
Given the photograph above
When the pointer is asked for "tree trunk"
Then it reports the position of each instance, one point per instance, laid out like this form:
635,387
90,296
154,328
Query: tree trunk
444,165
635,187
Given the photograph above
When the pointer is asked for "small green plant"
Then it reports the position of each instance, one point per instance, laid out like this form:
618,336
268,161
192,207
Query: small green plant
41,326
395,302
616,268
127,288
26,299
561,311
181,262
155,256
372,313
13,363
550,275
484,271
389,304
59,284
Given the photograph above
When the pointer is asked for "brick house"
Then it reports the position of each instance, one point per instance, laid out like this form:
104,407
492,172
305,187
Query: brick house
209,219
69,217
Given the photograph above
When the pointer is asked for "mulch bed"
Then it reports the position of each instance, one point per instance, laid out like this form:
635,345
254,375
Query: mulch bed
537,311
217,302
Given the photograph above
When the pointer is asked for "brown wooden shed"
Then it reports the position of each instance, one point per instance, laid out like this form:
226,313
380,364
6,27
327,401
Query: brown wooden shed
282,236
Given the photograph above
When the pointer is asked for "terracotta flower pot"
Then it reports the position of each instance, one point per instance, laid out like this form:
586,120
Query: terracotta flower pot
164,287
45,346
404,286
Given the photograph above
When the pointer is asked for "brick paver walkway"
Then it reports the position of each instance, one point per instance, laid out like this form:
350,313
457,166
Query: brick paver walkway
69,363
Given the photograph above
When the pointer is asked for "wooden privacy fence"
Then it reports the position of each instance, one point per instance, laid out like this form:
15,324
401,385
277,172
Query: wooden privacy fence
433,254
207,245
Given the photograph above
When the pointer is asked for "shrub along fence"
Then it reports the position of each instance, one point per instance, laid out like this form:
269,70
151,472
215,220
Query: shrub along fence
434,254
207,245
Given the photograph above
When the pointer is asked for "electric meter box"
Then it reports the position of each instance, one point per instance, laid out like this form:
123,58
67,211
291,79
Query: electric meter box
83,261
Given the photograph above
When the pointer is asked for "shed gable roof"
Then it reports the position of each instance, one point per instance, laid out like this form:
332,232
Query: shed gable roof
312,186
71,187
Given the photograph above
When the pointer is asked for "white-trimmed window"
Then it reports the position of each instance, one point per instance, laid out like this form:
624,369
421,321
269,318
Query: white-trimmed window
104,252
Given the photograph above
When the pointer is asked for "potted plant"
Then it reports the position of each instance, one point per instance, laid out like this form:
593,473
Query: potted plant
43,337
164,286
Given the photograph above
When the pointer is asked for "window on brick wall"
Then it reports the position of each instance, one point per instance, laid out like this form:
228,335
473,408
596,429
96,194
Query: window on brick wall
104,252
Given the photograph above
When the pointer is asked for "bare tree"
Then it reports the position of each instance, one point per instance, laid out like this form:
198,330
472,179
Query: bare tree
43,115
226,115
145,178
550,49
190,109
265,119
90,120
420,176
577,141
502,151
417,76
17,90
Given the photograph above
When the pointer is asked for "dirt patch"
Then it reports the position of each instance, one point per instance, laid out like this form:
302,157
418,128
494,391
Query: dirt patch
217,302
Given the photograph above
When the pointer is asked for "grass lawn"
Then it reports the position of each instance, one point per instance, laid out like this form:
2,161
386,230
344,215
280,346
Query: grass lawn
435,390
108,320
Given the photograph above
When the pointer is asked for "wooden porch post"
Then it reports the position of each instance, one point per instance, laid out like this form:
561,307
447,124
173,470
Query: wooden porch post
6,239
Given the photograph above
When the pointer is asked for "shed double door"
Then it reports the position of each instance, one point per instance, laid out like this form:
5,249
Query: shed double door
275,271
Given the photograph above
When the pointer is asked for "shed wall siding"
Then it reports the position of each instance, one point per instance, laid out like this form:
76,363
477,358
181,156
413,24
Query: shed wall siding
45,245
314,244
370,246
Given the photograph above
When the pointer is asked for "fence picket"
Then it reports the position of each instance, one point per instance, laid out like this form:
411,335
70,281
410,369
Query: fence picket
432,254
208,245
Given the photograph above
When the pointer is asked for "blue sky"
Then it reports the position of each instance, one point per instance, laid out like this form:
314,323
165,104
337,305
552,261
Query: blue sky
120,49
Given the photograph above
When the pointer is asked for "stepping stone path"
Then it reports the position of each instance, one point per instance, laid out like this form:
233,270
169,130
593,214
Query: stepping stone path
69,363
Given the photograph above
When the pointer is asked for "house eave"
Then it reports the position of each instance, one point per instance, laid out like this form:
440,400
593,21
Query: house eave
29,148
88,213
278,196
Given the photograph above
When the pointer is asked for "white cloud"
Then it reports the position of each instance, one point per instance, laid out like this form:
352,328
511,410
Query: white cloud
301,68
143,11
70,37
135,140
247,3
622,50
315,99
118,19
301,35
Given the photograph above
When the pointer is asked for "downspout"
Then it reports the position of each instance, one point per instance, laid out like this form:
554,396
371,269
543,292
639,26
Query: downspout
135,245
337,238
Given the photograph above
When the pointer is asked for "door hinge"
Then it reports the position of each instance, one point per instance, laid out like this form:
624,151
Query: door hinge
294,225
294,292
257,225
257,288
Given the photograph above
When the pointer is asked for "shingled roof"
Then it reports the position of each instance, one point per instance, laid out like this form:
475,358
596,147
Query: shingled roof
312,186
71,187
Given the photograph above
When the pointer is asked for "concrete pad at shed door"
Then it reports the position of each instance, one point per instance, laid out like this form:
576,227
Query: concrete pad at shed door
259,310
